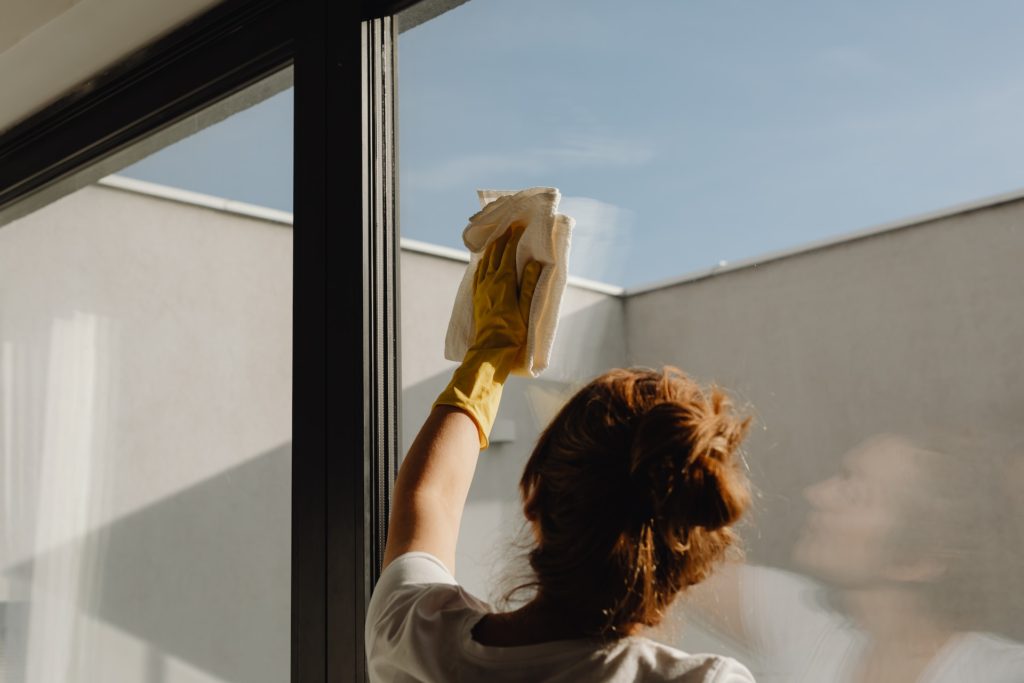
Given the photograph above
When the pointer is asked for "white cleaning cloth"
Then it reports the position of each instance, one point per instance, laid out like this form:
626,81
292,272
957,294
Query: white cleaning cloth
546,240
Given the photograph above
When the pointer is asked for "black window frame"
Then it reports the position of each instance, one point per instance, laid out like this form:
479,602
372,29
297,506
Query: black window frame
345,387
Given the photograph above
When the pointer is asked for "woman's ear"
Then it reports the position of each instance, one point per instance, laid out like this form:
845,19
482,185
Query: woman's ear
531,520
529,514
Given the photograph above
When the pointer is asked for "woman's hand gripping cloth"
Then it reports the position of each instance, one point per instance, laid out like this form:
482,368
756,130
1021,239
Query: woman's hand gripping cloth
546,240
501,309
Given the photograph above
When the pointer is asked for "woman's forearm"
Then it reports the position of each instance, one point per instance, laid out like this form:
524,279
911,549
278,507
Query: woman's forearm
432,485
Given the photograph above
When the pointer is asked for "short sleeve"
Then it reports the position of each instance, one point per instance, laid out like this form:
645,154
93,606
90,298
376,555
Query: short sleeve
414,567
411,569
413,614
732,671
777,610
789,627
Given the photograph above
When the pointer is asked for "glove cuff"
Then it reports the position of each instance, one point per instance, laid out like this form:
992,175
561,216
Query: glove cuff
476,387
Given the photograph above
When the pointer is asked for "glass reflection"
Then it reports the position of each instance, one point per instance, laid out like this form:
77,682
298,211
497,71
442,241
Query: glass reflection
906,576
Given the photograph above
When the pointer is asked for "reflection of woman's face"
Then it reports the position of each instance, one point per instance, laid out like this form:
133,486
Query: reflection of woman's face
854,514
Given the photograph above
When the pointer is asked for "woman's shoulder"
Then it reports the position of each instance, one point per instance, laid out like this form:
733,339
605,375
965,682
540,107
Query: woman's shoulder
417,583
981,657
416,607
660,662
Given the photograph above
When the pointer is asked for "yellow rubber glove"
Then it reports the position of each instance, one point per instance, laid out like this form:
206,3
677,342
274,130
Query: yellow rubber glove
501,314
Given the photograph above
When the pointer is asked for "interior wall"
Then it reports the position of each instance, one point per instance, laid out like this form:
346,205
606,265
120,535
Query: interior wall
67,42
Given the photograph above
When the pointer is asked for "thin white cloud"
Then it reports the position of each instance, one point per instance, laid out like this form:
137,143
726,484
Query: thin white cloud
599,151
575,151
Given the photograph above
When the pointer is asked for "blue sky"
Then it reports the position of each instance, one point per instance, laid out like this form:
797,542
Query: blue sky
681,133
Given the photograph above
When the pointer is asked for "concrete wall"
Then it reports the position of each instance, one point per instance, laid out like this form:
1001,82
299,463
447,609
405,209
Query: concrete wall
909,329
145,399
914,333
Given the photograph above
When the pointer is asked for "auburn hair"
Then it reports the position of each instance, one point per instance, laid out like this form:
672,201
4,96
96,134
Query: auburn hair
632,489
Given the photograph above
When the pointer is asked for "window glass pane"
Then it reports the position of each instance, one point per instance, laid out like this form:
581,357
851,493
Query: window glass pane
816,208
145,424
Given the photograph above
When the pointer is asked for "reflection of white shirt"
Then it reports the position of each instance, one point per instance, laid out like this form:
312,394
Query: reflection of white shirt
801,640
419,623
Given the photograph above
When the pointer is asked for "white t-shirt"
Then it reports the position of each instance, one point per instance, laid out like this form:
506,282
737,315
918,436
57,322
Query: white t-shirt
419,623
800,640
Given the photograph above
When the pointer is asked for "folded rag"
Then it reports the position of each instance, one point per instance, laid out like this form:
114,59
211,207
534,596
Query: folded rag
546,240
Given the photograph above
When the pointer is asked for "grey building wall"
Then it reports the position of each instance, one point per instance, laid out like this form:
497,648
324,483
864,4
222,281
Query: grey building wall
917,333
916,328
145,429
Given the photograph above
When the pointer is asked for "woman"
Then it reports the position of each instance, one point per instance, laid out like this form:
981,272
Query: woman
630,491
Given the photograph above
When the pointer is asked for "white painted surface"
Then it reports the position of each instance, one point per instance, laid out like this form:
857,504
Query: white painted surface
48,47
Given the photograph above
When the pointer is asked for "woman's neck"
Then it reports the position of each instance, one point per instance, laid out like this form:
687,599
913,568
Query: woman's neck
895,615
536,622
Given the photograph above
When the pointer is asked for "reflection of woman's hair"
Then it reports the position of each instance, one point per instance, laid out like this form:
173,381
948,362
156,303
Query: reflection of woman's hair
955,515
632,488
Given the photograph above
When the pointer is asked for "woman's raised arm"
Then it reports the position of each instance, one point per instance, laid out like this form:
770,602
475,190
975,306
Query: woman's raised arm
433,481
